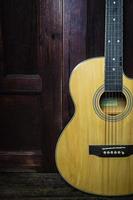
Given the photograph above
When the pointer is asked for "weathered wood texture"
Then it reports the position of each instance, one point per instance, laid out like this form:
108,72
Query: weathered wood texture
41,41
20,85
38,186
20,82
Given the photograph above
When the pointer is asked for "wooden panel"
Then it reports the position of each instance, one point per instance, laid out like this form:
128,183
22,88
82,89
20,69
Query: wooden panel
20,127
1,44
95,28
19,30
74,46
51,62
20,84
20,160
128,38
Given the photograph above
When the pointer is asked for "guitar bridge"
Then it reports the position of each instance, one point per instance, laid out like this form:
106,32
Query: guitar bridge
111,150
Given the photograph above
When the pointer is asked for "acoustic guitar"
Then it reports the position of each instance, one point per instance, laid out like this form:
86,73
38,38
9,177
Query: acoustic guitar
95,151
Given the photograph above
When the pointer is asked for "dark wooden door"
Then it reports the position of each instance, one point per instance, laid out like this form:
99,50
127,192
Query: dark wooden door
41,41
20,85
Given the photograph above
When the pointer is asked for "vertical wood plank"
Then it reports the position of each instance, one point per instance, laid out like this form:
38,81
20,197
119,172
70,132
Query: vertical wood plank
51,61
1,42
95,28
128,38
20,114
19,36
74,46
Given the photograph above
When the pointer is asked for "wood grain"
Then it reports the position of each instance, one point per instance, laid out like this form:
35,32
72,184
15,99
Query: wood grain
47,38
39,186
74,47
51,69
11,161
21,84
102,176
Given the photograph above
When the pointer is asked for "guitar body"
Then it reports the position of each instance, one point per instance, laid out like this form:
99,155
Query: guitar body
87,172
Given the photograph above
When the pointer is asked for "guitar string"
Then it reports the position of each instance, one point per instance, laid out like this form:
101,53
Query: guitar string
113,32
111,53
116,70
106,109
108,83
113,56
112,125
115,51
108,69
116,94
121,61
121,52
115,29
114,77
112,62
110,93
106,37
108,31
106,92
118,51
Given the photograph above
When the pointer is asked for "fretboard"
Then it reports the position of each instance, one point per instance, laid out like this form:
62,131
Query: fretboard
114,45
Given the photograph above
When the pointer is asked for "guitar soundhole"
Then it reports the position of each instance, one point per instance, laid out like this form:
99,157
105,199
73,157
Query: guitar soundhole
112,103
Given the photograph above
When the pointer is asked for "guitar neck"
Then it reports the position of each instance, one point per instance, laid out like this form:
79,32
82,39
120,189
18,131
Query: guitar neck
114,45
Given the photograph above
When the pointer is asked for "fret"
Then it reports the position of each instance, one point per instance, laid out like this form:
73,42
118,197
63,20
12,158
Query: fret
113,77
112,15
113,85
114,45
108,80
108,69
114,23
119,69
113,90
114,64
114,72
116,31
119,79
112,9
113,59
